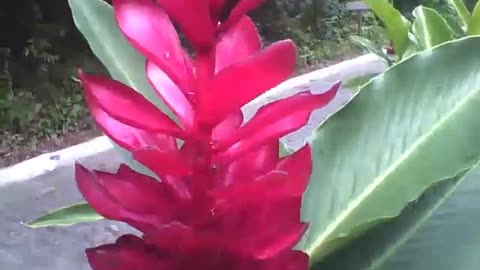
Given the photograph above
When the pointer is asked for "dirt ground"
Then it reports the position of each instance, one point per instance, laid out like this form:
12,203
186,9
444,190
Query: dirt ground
30,149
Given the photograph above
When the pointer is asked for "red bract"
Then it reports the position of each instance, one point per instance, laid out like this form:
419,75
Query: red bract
225,199
274,190
131,252
231,227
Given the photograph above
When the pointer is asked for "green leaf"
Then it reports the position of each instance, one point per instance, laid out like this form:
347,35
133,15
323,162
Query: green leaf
439,231
371,47
285,150
66,216
462,11
96,21
474,25
414,124
397,26
430,28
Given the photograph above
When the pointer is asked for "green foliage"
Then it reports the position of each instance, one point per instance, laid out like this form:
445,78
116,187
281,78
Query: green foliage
5,79
462,11
404,121
430,28
371,47
15,108
16,111
25,113
66,216
396,25
473,27
437,22
64,113
328,18
26,120
34,106
470,4
442,223
40,46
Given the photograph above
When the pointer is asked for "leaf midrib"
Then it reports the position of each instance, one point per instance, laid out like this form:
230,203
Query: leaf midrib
380,179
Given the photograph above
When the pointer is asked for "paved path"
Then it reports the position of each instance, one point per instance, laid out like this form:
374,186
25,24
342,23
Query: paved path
47,248
62,248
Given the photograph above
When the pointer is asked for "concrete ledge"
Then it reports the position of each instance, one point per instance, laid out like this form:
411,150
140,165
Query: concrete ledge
49,162
46,163
343,71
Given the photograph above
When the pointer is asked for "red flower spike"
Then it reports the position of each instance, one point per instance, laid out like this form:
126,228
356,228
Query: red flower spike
238,42
131,252
225,200
194,19
149,30
127,106
126,136
162,162
275,120
173,97
127,196
239,83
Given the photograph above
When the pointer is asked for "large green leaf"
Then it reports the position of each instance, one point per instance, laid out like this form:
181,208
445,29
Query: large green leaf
67,216
474,25
439,231
397,26
430,28
462,11
406,129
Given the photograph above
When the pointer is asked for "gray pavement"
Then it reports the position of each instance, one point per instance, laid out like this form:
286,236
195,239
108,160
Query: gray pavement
62,248
56,248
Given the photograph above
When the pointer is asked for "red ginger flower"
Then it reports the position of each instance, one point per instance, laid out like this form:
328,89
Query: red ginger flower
225,190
